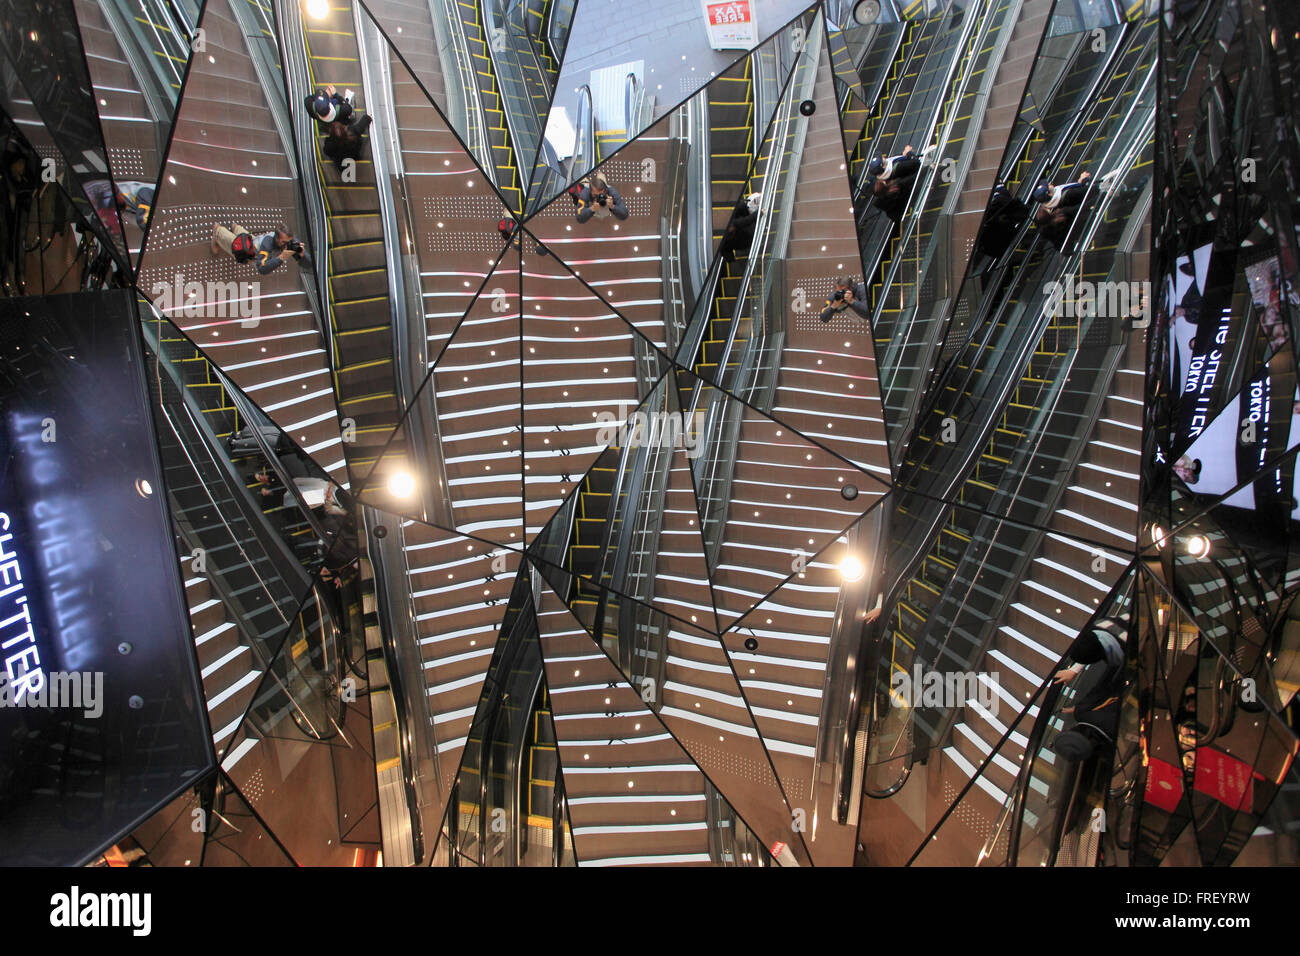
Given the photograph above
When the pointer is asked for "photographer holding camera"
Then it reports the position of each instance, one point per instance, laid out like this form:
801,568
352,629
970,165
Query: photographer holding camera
268,251
847,295
598,198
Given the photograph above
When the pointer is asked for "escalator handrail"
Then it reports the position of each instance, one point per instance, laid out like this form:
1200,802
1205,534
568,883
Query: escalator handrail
584,137
253,515
139,61
388,635
1056,695
1044,162
1024,458
445,24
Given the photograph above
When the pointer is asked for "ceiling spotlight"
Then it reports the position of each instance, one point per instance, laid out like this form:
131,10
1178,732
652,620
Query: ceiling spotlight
1198,546
143,488
401,484
852,568
1158,537
317,9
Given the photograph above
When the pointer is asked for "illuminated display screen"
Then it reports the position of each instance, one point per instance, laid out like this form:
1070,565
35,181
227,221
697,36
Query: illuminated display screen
102,719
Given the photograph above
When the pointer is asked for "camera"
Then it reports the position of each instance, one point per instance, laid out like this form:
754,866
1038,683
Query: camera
603,199
294,246
838,296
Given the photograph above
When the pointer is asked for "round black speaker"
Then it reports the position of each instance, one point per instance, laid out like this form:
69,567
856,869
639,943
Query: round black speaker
807,107
381,531
849,492
751,643
867,12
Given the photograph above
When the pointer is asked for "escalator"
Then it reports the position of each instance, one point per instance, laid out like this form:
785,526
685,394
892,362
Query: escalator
357,268
163,30
493,102
240,589
506,808
918,332
928,77
974,557
956,117
595,526
731,142
918,37
536,15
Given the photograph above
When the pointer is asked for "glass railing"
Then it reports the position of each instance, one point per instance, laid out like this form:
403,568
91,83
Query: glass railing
253,564
299,140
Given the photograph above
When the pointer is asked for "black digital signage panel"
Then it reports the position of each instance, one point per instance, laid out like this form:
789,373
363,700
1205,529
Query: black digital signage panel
102,716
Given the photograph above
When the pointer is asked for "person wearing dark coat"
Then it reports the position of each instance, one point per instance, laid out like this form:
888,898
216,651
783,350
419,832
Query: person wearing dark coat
739,233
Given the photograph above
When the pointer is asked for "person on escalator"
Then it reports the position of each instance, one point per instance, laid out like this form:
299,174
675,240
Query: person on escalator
1098,656
892,179
598,198
346,140
1060,198
327,106
1002,219
847,295
903,166
739,234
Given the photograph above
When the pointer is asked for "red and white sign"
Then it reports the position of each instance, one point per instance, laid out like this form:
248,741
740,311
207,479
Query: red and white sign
732,24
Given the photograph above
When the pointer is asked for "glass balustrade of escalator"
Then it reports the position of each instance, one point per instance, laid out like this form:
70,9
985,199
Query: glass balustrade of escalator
955,538
157,36
260,557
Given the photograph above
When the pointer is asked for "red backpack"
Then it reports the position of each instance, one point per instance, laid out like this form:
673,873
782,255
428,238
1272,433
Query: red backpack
244,248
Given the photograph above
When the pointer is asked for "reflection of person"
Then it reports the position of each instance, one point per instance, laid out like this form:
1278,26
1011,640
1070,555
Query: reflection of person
1188,469
328,105
106,200
514,236
268,251
903,166
847,295
344,140
316,493
740,230
598,198
1098,651
1003,217
1065,196
137,200
893,177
